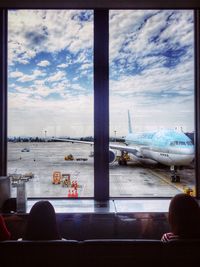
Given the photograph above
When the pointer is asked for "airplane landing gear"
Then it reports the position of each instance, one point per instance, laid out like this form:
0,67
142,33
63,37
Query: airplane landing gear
123,158
122,162
174,177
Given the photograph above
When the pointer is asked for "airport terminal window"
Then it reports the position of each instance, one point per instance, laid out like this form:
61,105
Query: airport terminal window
151,55
151,98
50,99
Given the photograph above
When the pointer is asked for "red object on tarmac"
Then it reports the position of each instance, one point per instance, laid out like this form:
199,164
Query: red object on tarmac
75,185
76,193
69,193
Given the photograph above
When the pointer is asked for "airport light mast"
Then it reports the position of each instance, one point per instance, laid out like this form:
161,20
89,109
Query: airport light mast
115,135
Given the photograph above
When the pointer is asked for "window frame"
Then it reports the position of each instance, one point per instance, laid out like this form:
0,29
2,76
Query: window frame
101,79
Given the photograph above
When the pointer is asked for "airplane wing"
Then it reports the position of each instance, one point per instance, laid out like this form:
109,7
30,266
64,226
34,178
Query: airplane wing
73,141
125,148
128,149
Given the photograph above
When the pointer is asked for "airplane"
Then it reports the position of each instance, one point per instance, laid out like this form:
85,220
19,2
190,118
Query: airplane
167,146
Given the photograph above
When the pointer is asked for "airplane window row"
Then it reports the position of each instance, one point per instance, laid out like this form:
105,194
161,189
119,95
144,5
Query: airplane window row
181,143
163,154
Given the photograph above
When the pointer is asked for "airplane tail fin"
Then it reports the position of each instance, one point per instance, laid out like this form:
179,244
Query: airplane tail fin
129,123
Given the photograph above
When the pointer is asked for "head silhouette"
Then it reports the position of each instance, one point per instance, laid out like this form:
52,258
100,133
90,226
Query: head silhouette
184,216
42,223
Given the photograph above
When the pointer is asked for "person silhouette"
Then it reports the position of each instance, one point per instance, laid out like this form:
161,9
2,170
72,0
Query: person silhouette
183,218
4,233
42,224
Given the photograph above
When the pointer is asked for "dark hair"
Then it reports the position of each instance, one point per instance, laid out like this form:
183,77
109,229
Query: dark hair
184,216
42,223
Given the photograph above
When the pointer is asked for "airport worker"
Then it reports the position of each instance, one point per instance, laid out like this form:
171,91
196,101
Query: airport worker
183,218
42,224
4,233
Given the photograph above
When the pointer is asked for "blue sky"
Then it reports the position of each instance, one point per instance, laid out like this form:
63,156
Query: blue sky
152,69
51,71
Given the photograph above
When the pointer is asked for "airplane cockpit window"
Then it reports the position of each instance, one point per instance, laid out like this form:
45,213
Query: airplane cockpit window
181,143
189,143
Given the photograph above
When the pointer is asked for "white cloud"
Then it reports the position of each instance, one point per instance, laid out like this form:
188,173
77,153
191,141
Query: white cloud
43,63
63,65
39,82
27,78
37,73
158,94
133,32
34,111
23,61
152,116
15,74
34,31
58,76
86,66
155,80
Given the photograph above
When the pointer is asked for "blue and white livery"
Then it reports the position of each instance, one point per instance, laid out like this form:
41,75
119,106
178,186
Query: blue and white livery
169,147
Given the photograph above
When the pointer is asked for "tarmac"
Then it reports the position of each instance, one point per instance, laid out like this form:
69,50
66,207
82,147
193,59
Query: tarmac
43,159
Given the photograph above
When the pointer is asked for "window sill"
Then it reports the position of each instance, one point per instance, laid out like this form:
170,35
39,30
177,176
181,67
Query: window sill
111,206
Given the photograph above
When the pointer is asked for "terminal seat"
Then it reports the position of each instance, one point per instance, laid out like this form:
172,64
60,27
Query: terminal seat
182,253
96,253
39,253
122,252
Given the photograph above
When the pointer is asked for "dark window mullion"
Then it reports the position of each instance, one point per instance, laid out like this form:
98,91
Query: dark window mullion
197,99
3,92
101,106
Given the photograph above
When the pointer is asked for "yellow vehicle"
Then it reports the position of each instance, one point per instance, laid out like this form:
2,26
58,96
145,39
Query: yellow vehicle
189,191
122,160
69,157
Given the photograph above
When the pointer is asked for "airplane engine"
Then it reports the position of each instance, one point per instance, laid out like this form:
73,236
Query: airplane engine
112,156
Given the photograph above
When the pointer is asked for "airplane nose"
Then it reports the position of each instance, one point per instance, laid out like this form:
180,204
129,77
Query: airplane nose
183,150
188,154
190,150
183,155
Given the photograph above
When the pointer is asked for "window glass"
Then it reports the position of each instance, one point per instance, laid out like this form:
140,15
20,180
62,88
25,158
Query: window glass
50,97
151,55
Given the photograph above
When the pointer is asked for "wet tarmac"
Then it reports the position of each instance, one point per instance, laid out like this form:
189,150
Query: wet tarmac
133,180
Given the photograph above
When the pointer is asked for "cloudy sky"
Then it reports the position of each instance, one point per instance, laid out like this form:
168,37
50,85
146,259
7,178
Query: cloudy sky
51,71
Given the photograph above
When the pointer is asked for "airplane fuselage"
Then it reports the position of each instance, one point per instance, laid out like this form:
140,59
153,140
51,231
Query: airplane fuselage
168,147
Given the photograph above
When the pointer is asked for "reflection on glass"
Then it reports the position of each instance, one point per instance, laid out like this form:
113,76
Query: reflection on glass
50,94
151,102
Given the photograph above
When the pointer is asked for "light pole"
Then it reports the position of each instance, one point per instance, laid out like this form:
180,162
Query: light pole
115,135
